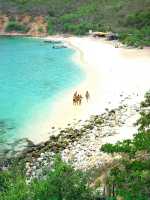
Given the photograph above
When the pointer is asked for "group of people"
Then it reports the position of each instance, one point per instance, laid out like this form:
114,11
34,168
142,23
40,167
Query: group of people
77,98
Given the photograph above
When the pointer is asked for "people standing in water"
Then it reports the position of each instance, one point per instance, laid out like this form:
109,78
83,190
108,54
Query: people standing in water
87,96
77,98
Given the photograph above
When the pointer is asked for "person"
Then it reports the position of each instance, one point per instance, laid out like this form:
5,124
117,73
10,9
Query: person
80,99
75,98
87,96
75,94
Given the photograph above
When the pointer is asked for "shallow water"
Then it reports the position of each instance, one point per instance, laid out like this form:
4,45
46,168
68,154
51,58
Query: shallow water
32,73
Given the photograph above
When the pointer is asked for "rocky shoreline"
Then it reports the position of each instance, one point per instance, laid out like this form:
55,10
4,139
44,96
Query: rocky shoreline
78,144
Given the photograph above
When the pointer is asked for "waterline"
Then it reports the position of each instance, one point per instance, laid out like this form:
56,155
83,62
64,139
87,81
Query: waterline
33,75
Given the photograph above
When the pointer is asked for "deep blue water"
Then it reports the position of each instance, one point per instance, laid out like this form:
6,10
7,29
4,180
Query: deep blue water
31,74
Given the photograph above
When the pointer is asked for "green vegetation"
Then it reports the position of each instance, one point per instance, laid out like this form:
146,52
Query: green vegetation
49,26
138,33
63,182
131,19
130,176
41,30
16,26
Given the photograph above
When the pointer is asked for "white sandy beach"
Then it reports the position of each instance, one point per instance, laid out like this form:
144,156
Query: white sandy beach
110,74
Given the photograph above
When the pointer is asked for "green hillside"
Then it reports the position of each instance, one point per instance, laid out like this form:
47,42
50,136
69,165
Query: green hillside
130,18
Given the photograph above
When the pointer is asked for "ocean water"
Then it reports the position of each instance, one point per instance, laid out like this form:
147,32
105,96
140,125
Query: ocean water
32,73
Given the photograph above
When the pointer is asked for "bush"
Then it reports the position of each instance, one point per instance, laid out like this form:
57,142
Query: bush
136,37
49,26
138,33
63,182
138,19
41,30
79,28
13,185
16,26
130,177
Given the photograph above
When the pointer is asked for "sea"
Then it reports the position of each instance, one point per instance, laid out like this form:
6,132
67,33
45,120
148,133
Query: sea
32,74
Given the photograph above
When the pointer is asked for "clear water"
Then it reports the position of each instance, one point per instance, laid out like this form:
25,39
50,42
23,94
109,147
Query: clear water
31,73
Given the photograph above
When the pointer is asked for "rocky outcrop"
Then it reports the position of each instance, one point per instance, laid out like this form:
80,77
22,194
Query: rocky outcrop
3,22
37,26
15,149
79,144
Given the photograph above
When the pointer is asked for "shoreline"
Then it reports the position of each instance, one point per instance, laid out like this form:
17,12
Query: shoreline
107,85
119,80
56,118
108,77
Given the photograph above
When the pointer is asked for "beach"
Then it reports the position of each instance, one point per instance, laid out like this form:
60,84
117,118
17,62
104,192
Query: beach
111,74
117,80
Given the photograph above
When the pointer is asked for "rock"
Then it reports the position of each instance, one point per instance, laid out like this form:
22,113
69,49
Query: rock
39,159
78,144
34,167
42,154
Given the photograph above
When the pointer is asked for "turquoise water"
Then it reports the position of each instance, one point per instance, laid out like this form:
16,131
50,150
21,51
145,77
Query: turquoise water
31,74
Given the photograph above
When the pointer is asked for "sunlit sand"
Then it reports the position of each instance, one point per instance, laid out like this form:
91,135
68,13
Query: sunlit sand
110,73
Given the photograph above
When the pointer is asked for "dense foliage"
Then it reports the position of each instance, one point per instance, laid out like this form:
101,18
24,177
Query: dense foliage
138,32
130,177
16,26
129,18
63,182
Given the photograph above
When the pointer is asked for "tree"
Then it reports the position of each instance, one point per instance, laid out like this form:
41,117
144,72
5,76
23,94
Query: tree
63,182
130,177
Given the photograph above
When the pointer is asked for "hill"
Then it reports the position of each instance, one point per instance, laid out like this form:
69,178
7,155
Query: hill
129,18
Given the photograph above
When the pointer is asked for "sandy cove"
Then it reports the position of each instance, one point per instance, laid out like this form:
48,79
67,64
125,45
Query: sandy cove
111,74
117,80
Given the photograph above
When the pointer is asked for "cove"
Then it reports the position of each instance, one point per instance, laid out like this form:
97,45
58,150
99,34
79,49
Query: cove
32,73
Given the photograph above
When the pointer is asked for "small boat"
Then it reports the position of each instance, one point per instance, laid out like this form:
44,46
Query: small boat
53,41
59,47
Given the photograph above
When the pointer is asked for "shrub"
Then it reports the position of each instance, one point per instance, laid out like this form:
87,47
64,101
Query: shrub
138,19
41,29
63,182
49,26
16,26
13,185
130,177
78,28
